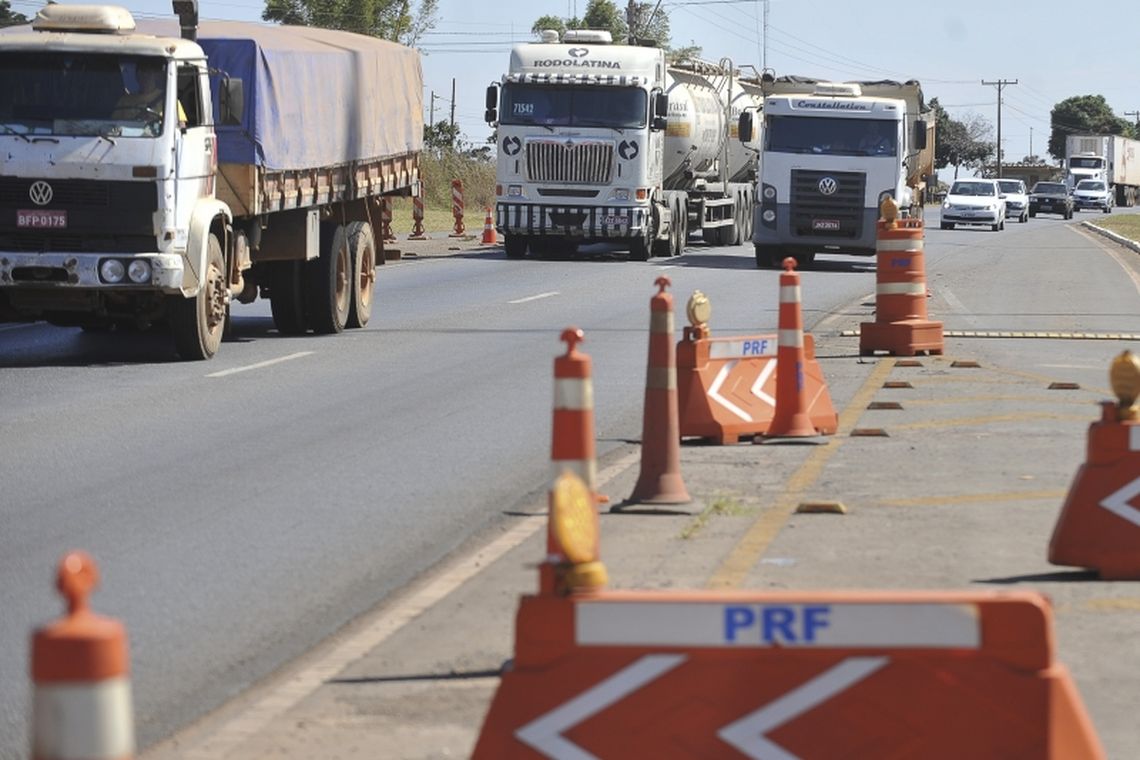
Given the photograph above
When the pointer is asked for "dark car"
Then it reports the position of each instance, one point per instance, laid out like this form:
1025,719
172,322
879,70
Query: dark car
1050,198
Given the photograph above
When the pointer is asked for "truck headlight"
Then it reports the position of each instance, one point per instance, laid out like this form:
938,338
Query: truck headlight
768,216
112,271
621,194
514,191
768,192
139,271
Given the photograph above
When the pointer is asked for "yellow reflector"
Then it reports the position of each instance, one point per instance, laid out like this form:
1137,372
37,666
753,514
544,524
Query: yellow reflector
574,519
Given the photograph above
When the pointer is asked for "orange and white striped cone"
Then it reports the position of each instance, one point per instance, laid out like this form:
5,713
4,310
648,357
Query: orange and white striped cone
457,208
418,232
386,220
790,419
489,236
81,707
659,481
572,439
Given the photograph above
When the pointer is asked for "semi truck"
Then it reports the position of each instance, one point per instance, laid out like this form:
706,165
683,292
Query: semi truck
255,166
831,152
1112,159
605,142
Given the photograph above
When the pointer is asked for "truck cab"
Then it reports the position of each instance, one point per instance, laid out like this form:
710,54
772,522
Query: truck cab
1084,166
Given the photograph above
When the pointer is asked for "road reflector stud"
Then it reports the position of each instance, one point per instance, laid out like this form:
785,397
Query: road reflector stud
727,386
908,363
901,326
877,405
1064,386
1099,524
894,384
868,433
821,508
965,364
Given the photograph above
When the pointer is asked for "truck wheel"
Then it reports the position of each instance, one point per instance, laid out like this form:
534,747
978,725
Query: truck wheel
639,249
515,246
197,323
328,289
287,297
727,234
768,256
362,247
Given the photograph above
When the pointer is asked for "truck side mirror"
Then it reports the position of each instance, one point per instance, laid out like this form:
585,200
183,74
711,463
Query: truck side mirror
660,112
232,101
492,102
745,127
920,134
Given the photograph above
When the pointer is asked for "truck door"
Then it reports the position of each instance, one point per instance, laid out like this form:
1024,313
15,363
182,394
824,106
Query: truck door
195,149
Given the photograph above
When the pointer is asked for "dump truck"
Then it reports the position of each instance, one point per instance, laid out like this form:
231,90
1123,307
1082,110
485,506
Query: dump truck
602,142
1112,159
158,172
831,153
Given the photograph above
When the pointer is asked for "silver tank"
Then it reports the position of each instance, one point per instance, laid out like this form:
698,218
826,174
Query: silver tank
697,127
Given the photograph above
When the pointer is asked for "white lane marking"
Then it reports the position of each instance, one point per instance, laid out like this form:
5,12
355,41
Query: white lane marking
259,365
747,734
1118,502
545,732
377,629
535,298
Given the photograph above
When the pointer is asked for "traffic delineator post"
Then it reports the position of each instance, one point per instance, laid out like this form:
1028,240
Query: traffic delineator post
489,236
1099,524
457,208
418,232
659,481
726,386
901,326
572,434
790,419
81,706
683,674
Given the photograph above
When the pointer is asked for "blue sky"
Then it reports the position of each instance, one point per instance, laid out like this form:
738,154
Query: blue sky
949,46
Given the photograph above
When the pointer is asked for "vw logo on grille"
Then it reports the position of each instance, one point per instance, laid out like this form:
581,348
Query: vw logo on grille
828,185
40,192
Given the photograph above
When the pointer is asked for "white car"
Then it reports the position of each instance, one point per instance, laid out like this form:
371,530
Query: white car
1016,199
974,201
1092,193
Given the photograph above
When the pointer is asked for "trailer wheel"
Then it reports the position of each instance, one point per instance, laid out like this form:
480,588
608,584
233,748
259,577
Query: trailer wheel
197,323
362,247
768,256
328,284
287,297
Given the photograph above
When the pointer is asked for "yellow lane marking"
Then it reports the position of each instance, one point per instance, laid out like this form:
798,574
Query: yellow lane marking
989,420
1053,399
974,498
747,551
1126,604
1047,378
972,378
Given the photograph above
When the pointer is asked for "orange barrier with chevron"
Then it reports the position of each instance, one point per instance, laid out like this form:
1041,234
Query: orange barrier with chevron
634,674
726,387
1099,525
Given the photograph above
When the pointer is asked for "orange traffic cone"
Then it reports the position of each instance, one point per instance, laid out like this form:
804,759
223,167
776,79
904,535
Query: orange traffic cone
489,237
81,709
1099,526
572,446
790,418
660,479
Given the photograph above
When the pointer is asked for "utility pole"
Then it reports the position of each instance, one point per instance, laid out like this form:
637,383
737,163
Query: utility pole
1137,115
431,118
1000,84
453,106
1031,142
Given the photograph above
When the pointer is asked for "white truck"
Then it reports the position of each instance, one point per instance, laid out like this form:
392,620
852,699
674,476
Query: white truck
155,173
605,142
1112,159
831,152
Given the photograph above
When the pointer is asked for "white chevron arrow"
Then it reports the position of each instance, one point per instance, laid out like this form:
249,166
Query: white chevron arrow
544,733
748,733
757,389
1118,502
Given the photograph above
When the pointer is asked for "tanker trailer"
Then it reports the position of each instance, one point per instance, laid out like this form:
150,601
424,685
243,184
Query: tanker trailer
602,143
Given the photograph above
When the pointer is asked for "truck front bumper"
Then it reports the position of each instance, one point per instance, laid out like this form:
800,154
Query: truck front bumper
581,222
857,242
81,270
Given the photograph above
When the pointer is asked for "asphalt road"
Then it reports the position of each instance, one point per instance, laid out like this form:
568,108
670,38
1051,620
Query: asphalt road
240,518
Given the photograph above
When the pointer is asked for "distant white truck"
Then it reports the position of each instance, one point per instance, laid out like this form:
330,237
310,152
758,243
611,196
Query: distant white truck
1111,159
831,152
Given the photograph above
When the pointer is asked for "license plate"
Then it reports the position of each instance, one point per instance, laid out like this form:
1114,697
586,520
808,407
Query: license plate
825,224
608,220
42,219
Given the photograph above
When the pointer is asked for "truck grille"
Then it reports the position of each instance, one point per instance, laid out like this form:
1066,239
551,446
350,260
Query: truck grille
102,216
818,214
588,163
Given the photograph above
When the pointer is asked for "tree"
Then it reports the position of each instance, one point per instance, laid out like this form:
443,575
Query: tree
649,26
604,14
1083,115
552,22
441,136
8,17
387,19
960,143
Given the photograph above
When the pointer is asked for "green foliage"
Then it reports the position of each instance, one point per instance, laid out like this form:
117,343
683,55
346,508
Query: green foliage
441,136
556,23
8,17
604,14
650,27
386,19
1084,115
959,143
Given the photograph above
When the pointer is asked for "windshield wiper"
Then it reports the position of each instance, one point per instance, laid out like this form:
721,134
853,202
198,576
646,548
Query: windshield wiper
11,131
620,130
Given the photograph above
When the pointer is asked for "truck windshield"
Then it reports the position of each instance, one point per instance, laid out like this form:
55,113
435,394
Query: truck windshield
574,106
831,137
1089,184
83,94
1086,163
